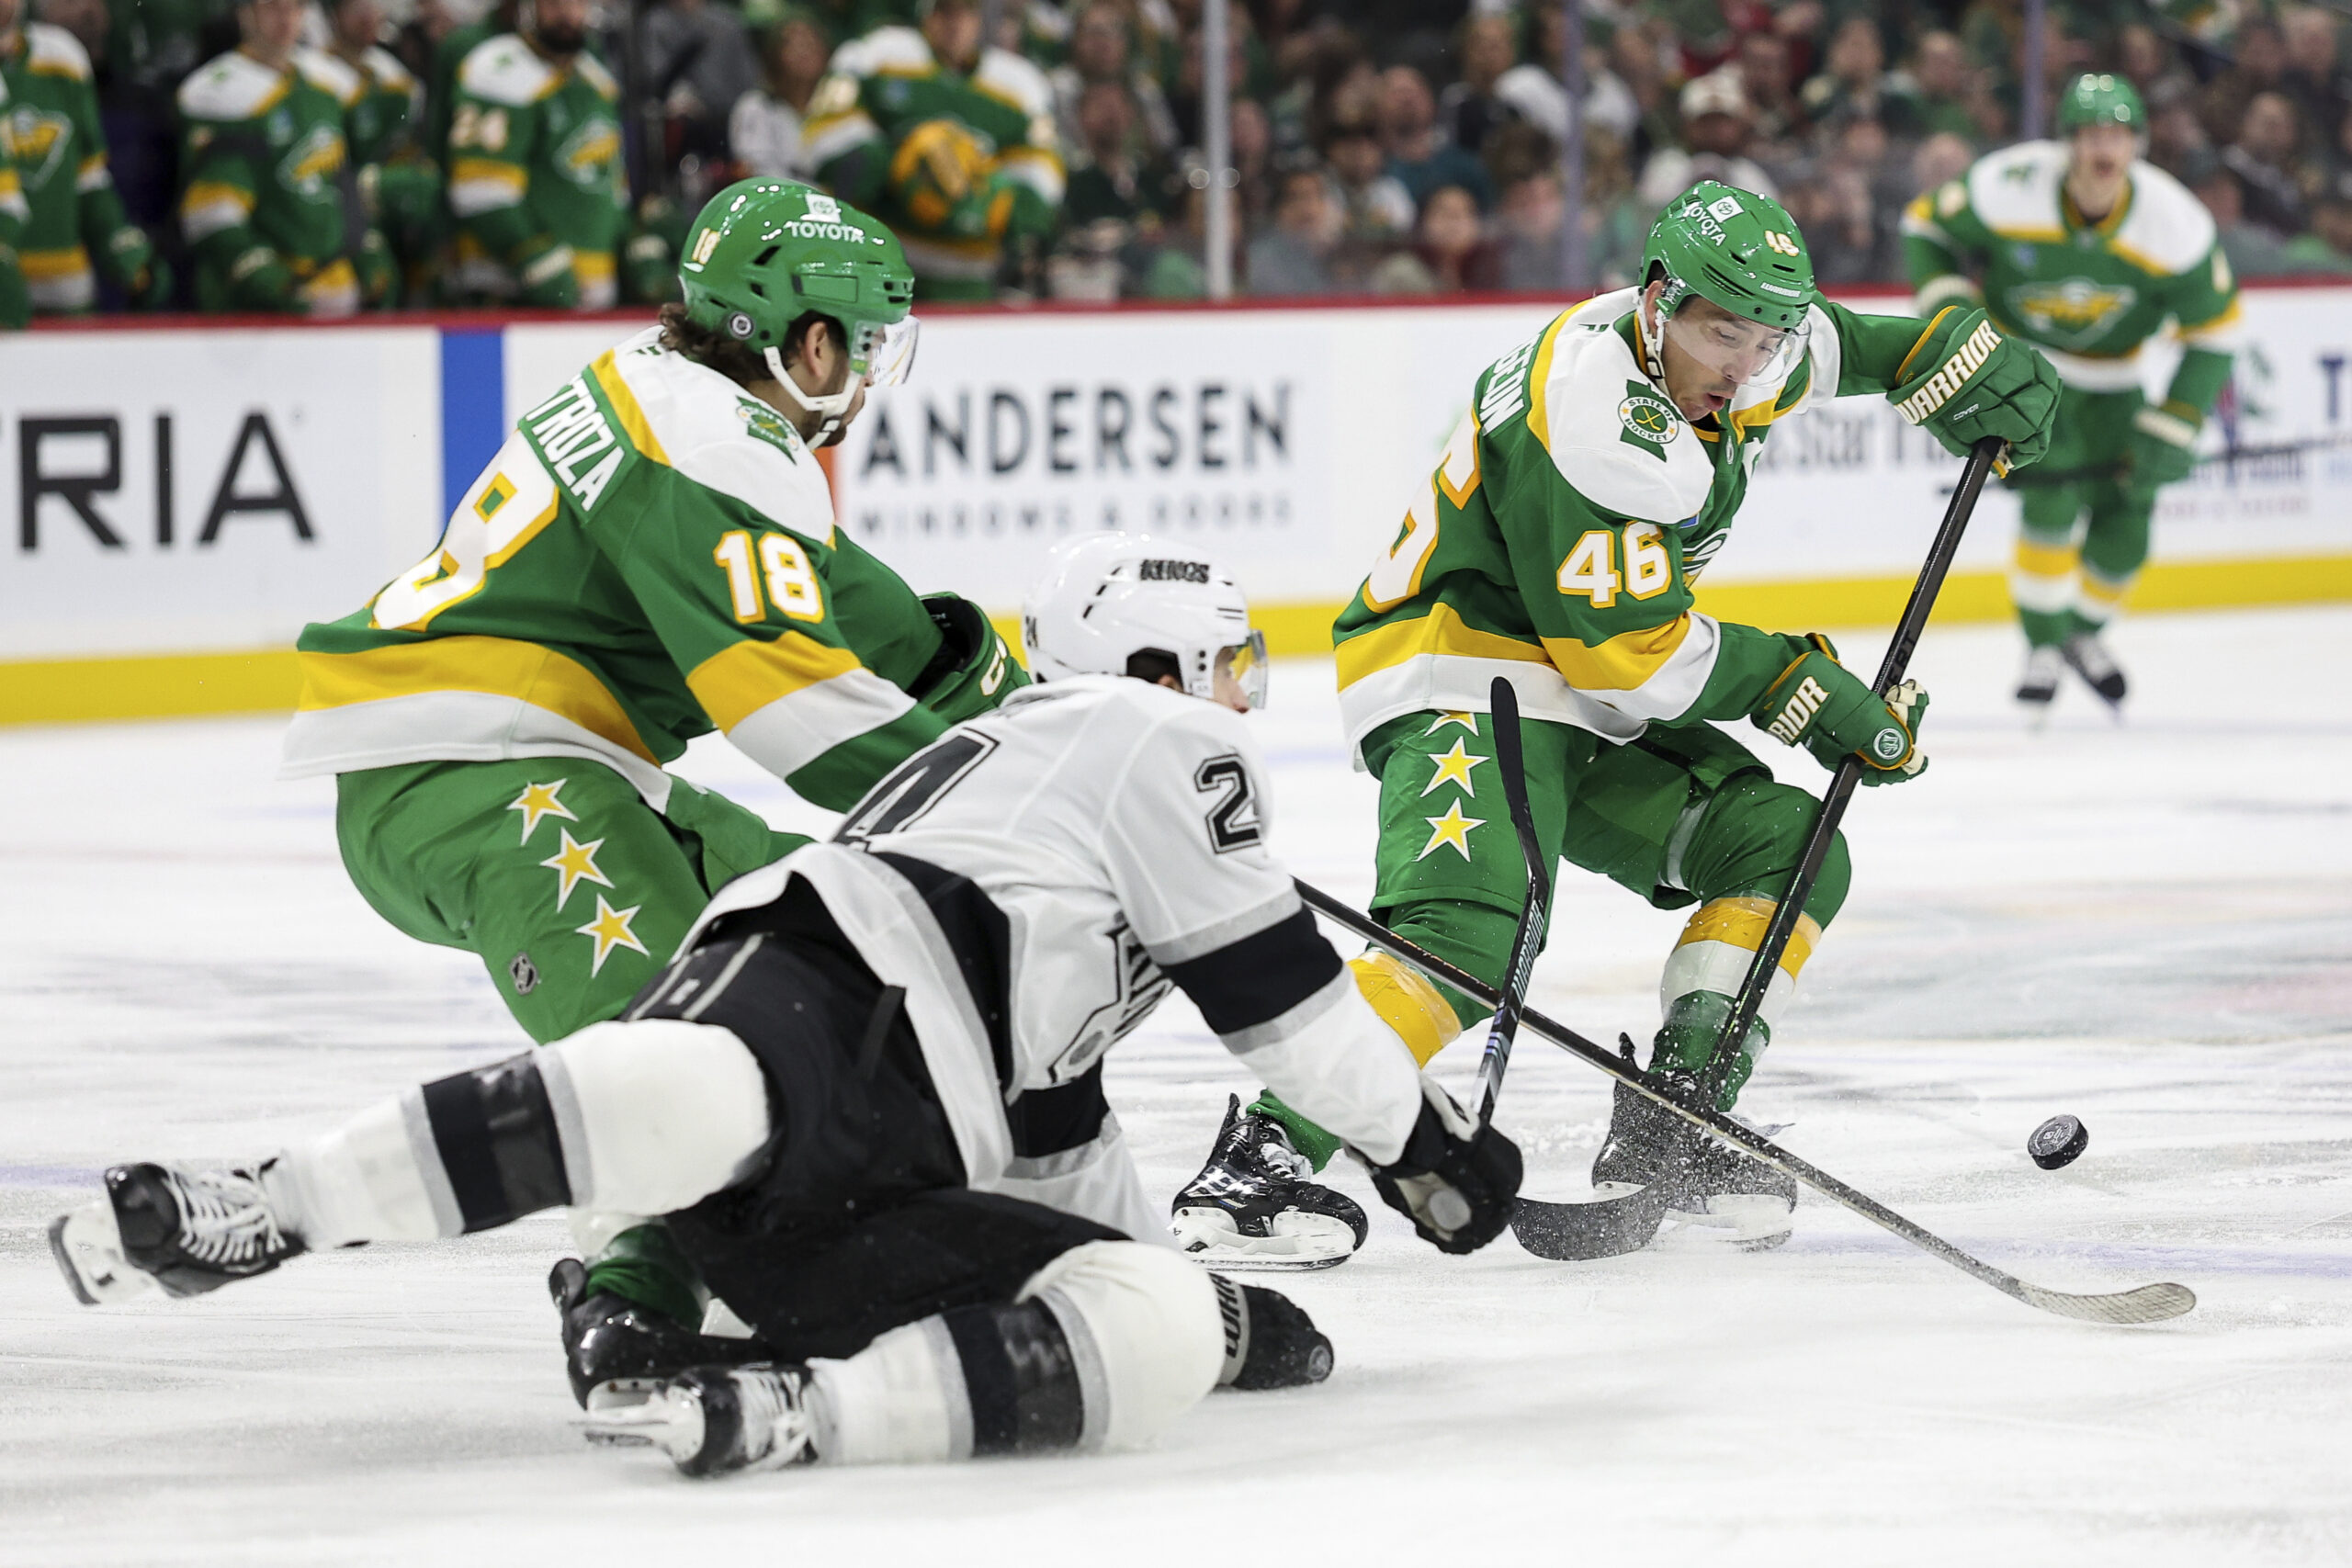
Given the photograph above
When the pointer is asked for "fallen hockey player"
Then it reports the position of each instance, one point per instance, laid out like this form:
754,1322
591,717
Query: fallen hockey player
868,1093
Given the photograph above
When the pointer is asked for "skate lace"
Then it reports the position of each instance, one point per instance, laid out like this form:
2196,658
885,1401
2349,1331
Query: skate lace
225,1220
777,1426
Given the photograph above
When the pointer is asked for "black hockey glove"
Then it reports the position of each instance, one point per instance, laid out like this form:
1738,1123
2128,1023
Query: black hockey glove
1455,1180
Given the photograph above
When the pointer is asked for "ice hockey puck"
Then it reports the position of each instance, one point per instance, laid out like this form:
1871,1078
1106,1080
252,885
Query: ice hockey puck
2057,1141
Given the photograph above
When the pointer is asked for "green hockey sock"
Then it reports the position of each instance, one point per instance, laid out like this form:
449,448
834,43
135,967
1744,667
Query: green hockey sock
1687,1042
1308,1139
2047,628
644,1264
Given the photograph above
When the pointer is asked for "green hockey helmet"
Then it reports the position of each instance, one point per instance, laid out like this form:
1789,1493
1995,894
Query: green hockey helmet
765,253
1740,251
2100,99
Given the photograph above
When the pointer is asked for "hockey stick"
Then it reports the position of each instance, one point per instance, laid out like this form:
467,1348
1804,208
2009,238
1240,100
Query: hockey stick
2147,1304
1528,940
1791,908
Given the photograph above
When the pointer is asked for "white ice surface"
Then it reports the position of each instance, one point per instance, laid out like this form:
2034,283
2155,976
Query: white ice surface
2150,926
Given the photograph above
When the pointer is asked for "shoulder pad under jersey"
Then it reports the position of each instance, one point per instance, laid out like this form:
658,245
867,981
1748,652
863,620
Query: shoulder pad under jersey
505,70
1005,75
2015,191
1594,400
53,51
329,75
231,86
386,68
2167,230
899,50
714,433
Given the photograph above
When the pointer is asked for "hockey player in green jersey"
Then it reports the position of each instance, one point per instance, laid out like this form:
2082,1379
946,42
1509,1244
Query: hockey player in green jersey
400,187
1598,468
952,141
653,555
268,201
2085,249
73,215
534,164
16,309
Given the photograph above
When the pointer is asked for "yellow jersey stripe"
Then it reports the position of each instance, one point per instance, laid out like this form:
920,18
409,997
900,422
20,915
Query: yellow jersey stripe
1624,663
501,667
1440,631
624,405
1539,418
739,681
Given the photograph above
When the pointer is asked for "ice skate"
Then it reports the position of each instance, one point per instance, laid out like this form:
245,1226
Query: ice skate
186,1231
2089,658
624,1348
716,1420
2037,686
1252,1206
1716,1192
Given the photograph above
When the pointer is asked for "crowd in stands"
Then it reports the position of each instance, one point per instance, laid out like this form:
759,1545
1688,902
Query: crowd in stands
323,157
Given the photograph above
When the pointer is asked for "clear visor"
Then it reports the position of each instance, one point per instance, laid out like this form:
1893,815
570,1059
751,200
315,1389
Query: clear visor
883,355
1742,352
1246,662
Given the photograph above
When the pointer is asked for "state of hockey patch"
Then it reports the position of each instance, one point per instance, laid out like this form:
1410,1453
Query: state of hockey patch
1649,420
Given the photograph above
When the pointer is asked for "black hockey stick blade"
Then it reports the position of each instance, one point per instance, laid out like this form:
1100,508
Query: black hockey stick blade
1582,1233
1527,938
2146,1304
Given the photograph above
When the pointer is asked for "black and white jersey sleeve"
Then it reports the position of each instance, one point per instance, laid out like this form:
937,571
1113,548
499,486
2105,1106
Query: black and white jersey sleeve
1184,843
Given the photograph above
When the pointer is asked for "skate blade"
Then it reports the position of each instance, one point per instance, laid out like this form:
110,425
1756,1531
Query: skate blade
661,1418
1749,1222
89,1250
1298,1243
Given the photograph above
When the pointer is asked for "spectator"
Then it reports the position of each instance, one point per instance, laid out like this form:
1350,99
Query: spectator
1766,75
1854,81
1533,92
698,60
1253,140
1616,226
1450,253
1639,60
1529,215
2327,249
2251,252
1949,93
1377,208
2260,66
1940,160
1715,124
763,128
2314,79
2146,61
2266,159
1102,49
1417,160
2175,135
1111,180
1293,256
1468,109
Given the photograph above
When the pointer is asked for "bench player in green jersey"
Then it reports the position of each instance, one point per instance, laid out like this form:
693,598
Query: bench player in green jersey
652,555
1598,468
16,307
951,140
2087,250
269,195
73,215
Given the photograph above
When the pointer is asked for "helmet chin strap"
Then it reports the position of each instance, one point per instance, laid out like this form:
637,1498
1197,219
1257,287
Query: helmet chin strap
830,410
1650,317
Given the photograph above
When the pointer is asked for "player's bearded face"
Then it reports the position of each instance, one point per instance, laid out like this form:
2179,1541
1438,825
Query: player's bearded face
561,26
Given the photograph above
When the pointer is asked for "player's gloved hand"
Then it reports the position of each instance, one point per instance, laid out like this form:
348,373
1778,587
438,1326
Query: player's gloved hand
144,275
259,281
1964,381
1455,1179
2161,442
543,268
649,270
379,276
1819,704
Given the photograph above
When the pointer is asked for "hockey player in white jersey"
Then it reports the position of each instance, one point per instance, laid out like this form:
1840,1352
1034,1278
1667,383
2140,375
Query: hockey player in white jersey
868,1093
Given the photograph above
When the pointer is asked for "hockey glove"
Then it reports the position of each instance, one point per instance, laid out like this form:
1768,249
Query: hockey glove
1455,1179
1964,381
973,671
2161,443
1818,703
131,261
543,271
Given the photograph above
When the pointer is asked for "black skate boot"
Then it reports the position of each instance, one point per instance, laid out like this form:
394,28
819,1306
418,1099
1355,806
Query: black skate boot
1713,1190
616,1351
717,1420
187,1231
2037,687
1252,1206
2089,658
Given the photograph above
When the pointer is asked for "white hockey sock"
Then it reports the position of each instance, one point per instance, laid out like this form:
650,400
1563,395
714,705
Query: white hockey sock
364,1181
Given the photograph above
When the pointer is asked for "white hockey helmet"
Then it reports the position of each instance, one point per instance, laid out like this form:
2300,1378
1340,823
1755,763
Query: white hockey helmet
1105,598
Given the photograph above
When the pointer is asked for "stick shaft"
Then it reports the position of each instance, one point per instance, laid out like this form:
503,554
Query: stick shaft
1791,907
1527,938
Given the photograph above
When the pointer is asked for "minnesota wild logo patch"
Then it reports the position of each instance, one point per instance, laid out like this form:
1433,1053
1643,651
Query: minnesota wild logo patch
1649,420
766,424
